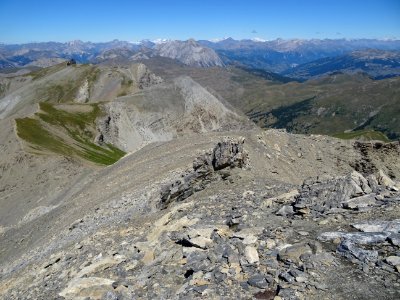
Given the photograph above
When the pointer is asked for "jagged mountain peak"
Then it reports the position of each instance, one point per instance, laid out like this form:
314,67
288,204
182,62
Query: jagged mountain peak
75,42
190,53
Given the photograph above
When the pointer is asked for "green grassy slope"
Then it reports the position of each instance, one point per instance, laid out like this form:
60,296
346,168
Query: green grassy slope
326,106
65,88
67,133
366,135
61,125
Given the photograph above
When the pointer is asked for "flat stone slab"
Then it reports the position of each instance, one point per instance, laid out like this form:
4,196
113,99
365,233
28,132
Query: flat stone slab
361,238
80,288
378,226
393,260
360,202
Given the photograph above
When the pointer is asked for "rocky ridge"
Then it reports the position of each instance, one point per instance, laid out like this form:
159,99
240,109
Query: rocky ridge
204,206
229,238
228,153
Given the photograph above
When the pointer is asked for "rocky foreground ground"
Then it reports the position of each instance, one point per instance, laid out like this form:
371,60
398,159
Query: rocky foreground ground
257,215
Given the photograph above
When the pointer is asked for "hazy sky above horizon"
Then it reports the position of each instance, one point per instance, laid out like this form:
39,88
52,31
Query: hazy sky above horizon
54,20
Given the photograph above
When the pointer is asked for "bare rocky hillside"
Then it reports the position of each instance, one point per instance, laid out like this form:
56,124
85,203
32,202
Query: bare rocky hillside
130,186
190,53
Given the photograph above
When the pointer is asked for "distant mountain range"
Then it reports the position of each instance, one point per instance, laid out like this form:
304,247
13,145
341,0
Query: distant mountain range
188,52
378,64
330,104
282,55
296,58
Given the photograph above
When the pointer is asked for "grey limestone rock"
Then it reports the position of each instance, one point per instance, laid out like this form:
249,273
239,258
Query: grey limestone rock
394,239
322,195
361,238
286,276
146,78
285,210
294,252
378,226
289,294
258,280
228,153
360,202
251,255
393,260
366,246
385,180
350,250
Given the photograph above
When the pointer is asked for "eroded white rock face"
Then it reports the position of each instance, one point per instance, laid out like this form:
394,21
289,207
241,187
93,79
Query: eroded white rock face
385,180
81,288
8,103
83,93
203,112
162,112
196,97
128,128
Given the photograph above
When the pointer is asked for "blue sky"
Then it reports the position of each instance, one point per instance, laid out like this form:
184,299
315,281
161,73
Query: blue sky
40,20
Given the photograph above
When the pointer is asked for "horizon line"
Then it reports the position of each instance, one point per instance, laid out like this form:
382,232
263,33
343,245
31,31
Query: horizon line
212,40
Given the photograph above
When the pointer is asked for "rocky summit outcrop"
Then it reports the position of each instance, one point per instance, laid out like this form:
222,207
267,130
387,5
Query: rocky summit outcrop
145,78
208,167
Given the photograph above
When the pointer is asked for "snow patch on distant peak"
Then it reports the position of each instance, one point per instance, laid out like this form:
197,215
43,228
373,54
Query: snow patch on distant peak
216,40
257,39
160,41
